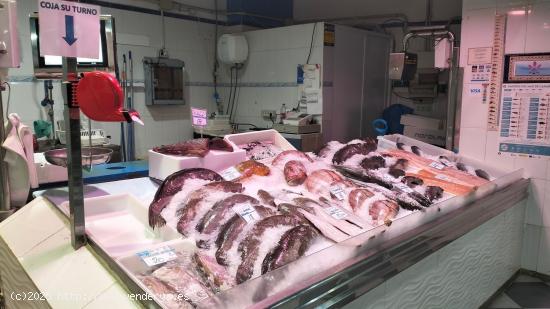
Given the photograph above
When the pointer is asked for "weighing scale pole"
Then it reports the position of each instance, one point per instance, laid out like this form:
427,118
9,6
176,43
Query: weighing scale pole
5,210
74,153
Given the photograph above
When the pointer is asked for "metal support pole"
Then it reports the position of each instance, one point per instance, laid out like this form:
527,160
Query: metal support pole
5,209
452,97
74,155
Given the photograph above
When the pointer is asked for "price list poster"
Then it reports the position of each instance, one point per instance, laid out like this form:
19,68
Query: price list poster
524,120
524,128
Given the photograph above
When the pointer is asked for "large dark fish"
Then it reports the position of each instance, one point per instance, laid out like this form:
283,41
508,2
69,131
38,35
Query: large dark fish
290,209
266,198
412,181
410,201
461,167
193,148
250,246
219,144
350,150
292,245
482,174
215,215
231,230
364,175
416,150
373,163
190,210
433,193
172,185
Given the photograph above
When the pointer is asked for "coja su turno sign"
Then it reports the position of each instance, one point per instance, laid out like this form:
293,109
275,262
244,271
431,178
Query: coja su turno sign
69,29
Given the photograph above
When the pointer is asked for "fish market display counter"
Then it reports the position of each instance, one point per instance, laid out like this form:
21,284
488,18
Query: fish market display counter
454,254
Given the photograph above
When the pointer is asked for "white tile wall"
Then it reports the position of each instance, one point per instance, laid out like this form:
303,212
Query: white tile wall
189,41
538,28
526,33
273,57
472,142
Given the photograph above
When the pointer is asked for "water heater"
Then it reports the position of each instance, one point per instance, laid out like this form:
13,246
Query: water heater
232,49
9,44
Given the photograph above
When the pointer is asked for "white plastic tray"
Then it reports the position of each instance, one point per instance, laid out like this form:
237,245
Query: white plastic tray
161,165
119,224
259,136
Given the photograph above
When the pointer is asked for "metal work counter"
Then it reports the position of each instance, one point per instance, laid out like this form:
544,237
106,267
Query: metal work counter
454,261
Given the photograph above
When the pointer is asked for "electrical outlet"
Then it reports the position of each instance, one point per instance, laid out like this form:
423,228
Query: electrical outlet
268,114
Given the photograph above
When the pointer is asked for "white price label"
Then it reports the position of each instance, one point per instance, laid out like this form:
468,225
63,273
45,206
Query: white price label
230,173
200,116
158,256
247,212
442,177
437,165
336,212
338,192
403,187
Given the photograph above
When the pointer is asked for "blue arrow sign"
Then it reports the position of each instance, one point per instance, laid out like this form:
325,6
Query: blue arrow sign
69,30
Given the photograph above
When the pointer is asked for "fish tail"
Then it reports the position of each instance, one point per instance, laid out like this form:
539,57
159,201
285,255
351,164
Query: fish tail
221,257
155,218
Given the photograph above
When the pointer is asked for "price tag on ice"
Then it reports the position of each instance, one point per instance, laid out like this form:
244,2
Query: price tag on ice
247,212
338,192
403,187
437,165
336,212
200,117
230,173
158,256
